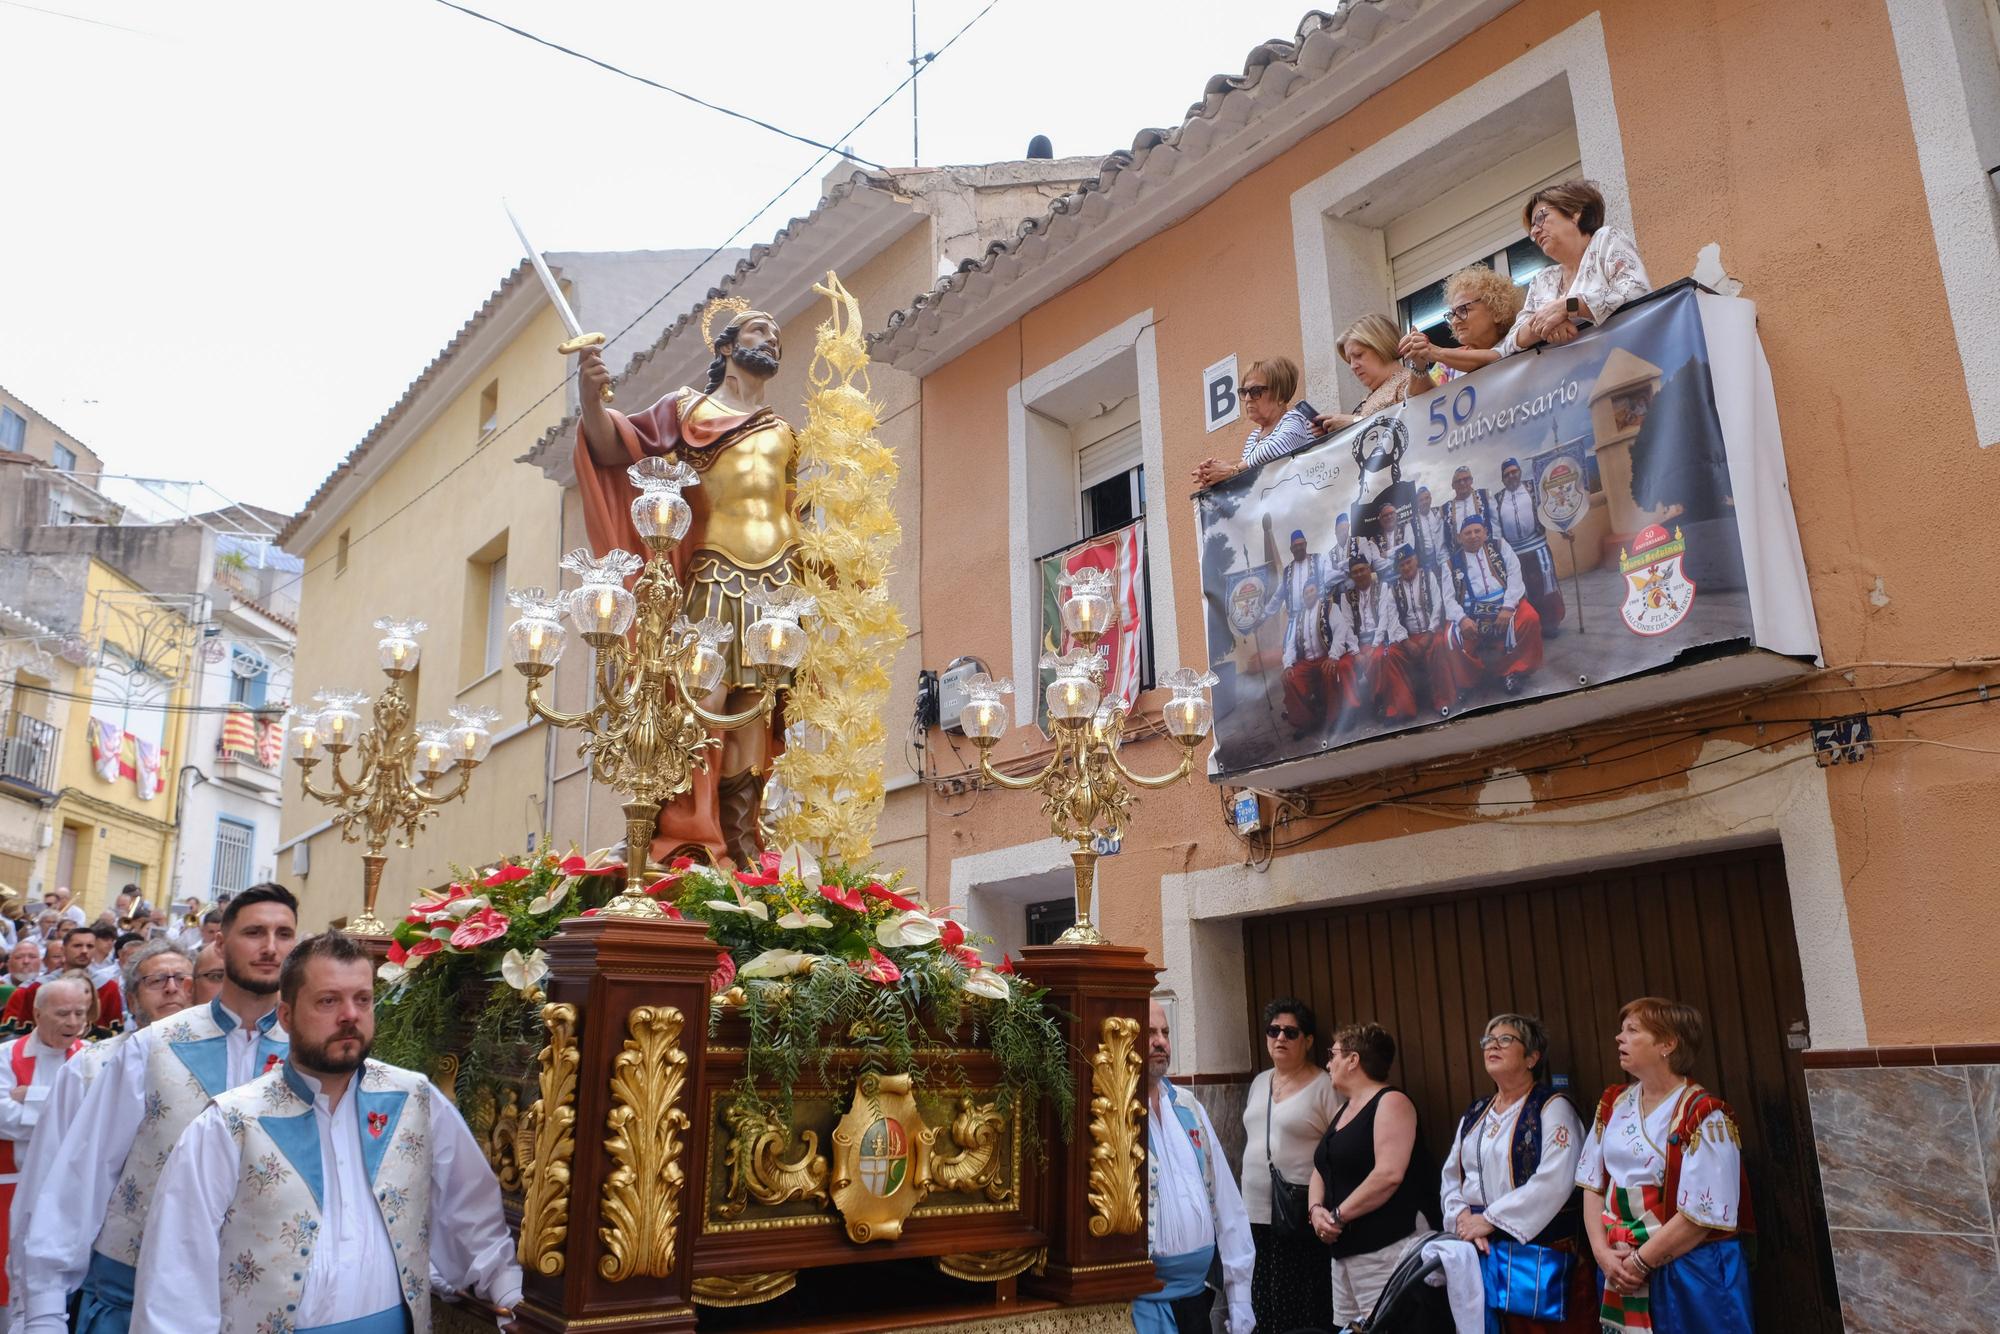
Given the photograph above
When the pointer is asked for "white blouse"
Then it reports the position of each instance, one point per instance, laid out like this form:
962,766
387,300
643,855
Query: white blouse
1299,1122
1609,274
1479,1170
1631,1154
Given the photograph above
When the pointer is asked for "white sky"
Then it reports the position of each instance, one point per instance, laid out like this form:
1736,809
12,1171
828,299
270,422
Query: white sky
230,239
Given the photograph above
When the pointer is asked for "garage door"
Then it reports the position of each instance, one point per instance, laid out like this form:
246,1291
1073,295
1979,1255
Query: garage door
1715,932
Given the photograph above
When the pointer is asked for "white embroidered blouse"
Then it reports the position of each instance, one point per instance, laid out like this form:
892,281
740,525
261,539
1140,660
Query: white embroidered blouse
1609,274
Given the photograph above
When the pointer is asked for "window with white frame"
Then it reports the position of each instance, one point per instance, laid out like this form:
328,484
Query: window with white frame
65,457
249,677
13,429
1111,493
234,843
496,613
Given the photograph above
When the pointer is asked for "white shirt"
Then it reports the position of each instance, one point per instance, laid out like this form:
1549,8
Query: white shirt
1377,623
1426,600
1485,584
17,1118
1185,1222
1430,527
1608,275
352,1272
67,1211
1314,571
100,973
1632,1153
1300,1123
1514,510
1479,1170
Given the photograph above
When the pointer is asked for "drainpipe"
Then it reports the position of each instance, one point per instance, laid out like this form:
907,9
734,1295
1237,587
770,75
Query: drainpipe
181,788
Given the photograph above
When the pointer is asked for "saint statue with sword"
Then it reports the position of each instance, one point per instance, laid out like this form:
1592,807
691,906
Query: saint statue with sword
744,538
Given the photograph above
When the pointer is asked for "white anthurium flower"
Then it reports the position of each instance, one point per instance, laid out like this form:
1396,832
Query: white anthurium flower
749,906
986,982
907,928
543,902
392,973
521,972
796,861
800,921
465,907
777,963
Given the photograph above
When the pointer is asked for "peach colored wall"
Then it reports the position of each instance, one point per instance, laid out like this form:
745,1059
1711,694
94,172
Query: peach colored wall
1779,130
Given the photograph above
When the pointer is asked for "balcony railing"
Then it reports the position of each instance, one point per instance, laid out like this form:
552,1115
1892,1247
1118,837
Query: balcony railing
30,750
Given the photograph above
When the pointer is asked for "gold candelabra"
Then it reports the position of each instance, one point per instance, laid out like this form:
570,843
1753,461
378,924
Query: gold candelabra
649,733
1086,788
398,767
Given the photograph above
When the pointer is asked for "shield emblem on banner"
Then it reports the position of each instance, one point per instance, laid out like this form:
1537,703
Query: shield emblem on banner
1565,495
1249,590
1658,593
881,1158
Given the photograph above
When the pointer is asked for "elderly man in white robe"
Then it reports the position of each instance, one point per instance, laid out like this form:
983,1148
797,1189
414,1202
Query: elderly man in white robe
321,1196
89,1215
1194,1209
62,1012
159,978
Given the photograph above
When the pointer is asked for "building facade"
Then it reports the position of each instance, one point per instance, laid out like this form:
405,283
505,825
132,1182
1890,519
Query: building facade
1719,842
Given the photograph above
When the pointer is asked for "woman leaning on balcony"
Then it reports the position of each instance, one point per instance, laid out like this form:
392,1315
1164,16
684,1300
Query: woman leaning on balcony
1595,266
1369,349
1278,428
1482,307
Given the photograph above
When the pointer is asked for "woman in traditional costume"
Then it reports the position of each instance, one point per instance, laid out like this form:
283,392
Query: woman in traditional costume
1510,1178
1666,1203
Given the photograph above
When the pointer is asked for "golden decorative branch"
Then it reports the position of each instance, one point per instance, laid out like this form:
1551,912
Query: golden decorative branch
1117,1130
644,1129
549,1134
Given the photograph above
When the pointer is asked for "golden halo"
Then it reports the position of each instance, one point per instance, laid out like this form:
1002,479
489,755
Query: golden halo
735,305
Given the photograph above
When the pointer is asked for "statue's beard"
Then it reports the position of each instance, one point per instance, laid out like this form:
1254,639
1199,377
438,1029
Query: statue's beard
754,361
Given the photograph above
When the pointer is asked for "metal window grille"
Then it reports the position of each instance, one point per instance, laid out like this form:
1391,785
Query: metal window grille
232,858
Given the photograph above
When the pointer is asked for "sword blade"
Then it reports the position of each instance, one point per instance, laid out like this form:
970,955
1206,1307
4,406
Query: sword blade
556,298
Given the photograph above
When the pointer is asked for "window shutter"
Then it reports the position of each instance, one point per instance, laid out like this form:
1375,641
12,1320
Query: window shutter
1473,220
1117,453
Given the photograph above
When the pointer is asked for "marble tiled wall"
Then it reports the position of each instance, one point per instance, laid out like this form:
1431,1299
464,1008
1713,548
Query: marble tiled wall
1909,1161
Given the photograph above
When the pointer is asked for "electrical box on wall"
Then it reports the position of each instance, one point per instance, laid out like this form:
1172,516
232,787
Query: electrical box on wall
301,857
952,693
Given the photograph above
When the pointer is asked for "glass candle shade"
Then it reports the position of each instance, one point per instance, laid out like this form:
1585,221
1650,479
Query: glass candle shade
398,652
536,643
1086,615
774,641
339,724
706,664
602,609
659,512
1188,718
1072,698
433,749
983,718
472,734
306,736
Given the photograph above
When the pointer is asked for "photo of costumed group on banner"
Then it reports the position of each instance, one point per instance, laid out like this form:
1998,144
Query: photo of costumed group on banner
1559,519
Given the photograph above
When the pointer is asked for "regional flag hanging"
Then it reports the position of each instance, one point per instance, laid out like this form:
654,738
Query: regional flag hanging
1123,552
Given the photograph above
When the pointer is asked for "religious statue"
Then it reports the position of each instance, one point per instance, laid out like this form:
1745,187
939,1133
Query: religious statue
745,539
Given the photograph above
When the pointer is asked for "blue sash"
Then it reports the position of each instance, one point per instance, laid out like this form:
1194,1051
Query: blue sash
395,1320
1182,1275
1706,1291
106,1304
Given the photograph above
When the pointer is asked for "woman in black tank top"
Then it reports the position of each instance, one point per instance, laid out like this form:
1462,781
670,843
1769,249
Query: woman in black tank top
1364,1202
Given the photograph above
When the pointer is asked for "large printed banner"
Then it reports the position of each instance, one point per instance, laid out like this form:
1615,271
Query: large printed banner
1556,520
1123,552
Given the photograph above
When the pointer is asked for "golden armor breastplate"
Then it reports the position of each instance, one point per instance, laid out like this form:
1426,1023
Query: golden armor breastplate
747,487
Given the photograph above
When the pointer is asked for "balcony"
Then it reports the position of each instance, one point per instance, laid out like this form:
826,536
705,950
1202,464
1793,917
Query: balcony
1636,550
240,749
28,755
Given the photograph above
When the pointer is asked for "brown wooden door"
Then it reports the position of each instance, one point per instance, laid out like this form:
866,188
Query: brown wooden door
1715,932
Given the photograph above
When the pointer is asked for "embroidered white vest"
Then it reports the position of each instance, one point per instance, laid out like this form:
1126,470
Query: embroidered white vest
273,1224
1185,1098
187,1063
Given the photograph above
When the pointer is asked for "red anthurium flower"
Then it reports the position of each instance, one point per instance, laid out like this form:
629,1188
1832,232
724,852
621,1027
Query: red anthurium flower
890,897
478,928
1006,964
506,875
662,885
879,967
397,954
724,974
951,933
680,863
965,954
849,899
424,948
574,864
590,912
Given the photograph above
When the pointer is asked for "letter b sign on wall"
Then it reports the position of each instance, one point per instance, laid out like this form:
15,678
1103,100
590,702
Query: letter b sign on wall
1221,404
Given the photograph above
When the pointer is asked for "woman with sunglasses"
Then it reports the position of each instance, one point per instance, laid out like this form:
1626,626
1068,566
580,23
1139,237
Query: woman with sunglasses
1511,1171
1481,307
1596,270
1278,428
1289,1108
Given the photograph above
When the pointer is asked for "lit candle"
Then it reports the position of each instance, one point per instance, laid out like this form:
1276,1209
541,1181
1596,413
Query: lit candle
308,738
434,758
338,725
468,739
535,636
607,602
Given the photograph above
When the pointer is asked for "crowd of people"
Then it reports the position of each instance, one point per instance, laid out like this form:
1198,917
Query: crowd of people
1627,1214
1419,606
207,1145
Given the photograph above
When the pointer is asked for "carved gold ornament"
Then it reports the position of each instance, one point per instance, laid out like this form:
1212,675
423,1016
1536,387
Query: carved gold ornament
744,1289
1117,1130
548,1133
976,1131
446,1077
756,1161
993,1266
643,1135
499,1132
881,1158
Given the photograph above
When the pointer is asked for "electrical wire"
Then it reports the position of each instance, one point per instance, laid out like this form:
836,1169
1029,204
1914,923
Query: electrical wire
564,383
654,83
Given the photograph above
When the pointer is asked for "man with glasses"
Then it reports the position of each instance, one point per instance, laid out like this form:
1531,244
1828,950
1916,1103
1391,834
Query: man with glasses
209,973
62,1011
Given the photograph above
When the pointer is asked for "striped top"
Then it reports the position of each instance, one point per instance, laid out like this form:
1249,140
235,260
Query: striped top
1293,433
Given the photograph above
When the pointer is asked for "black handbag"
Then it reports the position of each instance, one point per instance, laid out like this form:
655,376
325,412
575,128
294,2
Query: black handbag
1291,1216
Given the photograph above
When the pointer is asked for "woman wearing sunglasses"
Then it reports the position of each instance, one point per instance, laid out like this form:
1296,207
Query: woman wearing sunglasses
1481,307
1277,428
1289,1108
1510,1178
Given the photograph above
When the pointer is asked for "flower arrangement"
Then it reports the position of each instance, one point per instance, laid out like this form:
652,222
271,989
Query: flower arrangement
802,950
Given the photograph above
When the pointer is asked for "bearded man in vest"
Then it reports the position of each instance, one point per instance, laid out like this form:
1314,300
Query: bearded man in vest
321,1196
86,1219
62,1010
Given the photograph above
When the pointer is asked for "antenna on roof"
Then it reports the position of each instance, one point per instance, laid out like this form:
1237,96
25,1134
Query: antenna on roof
1040,149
